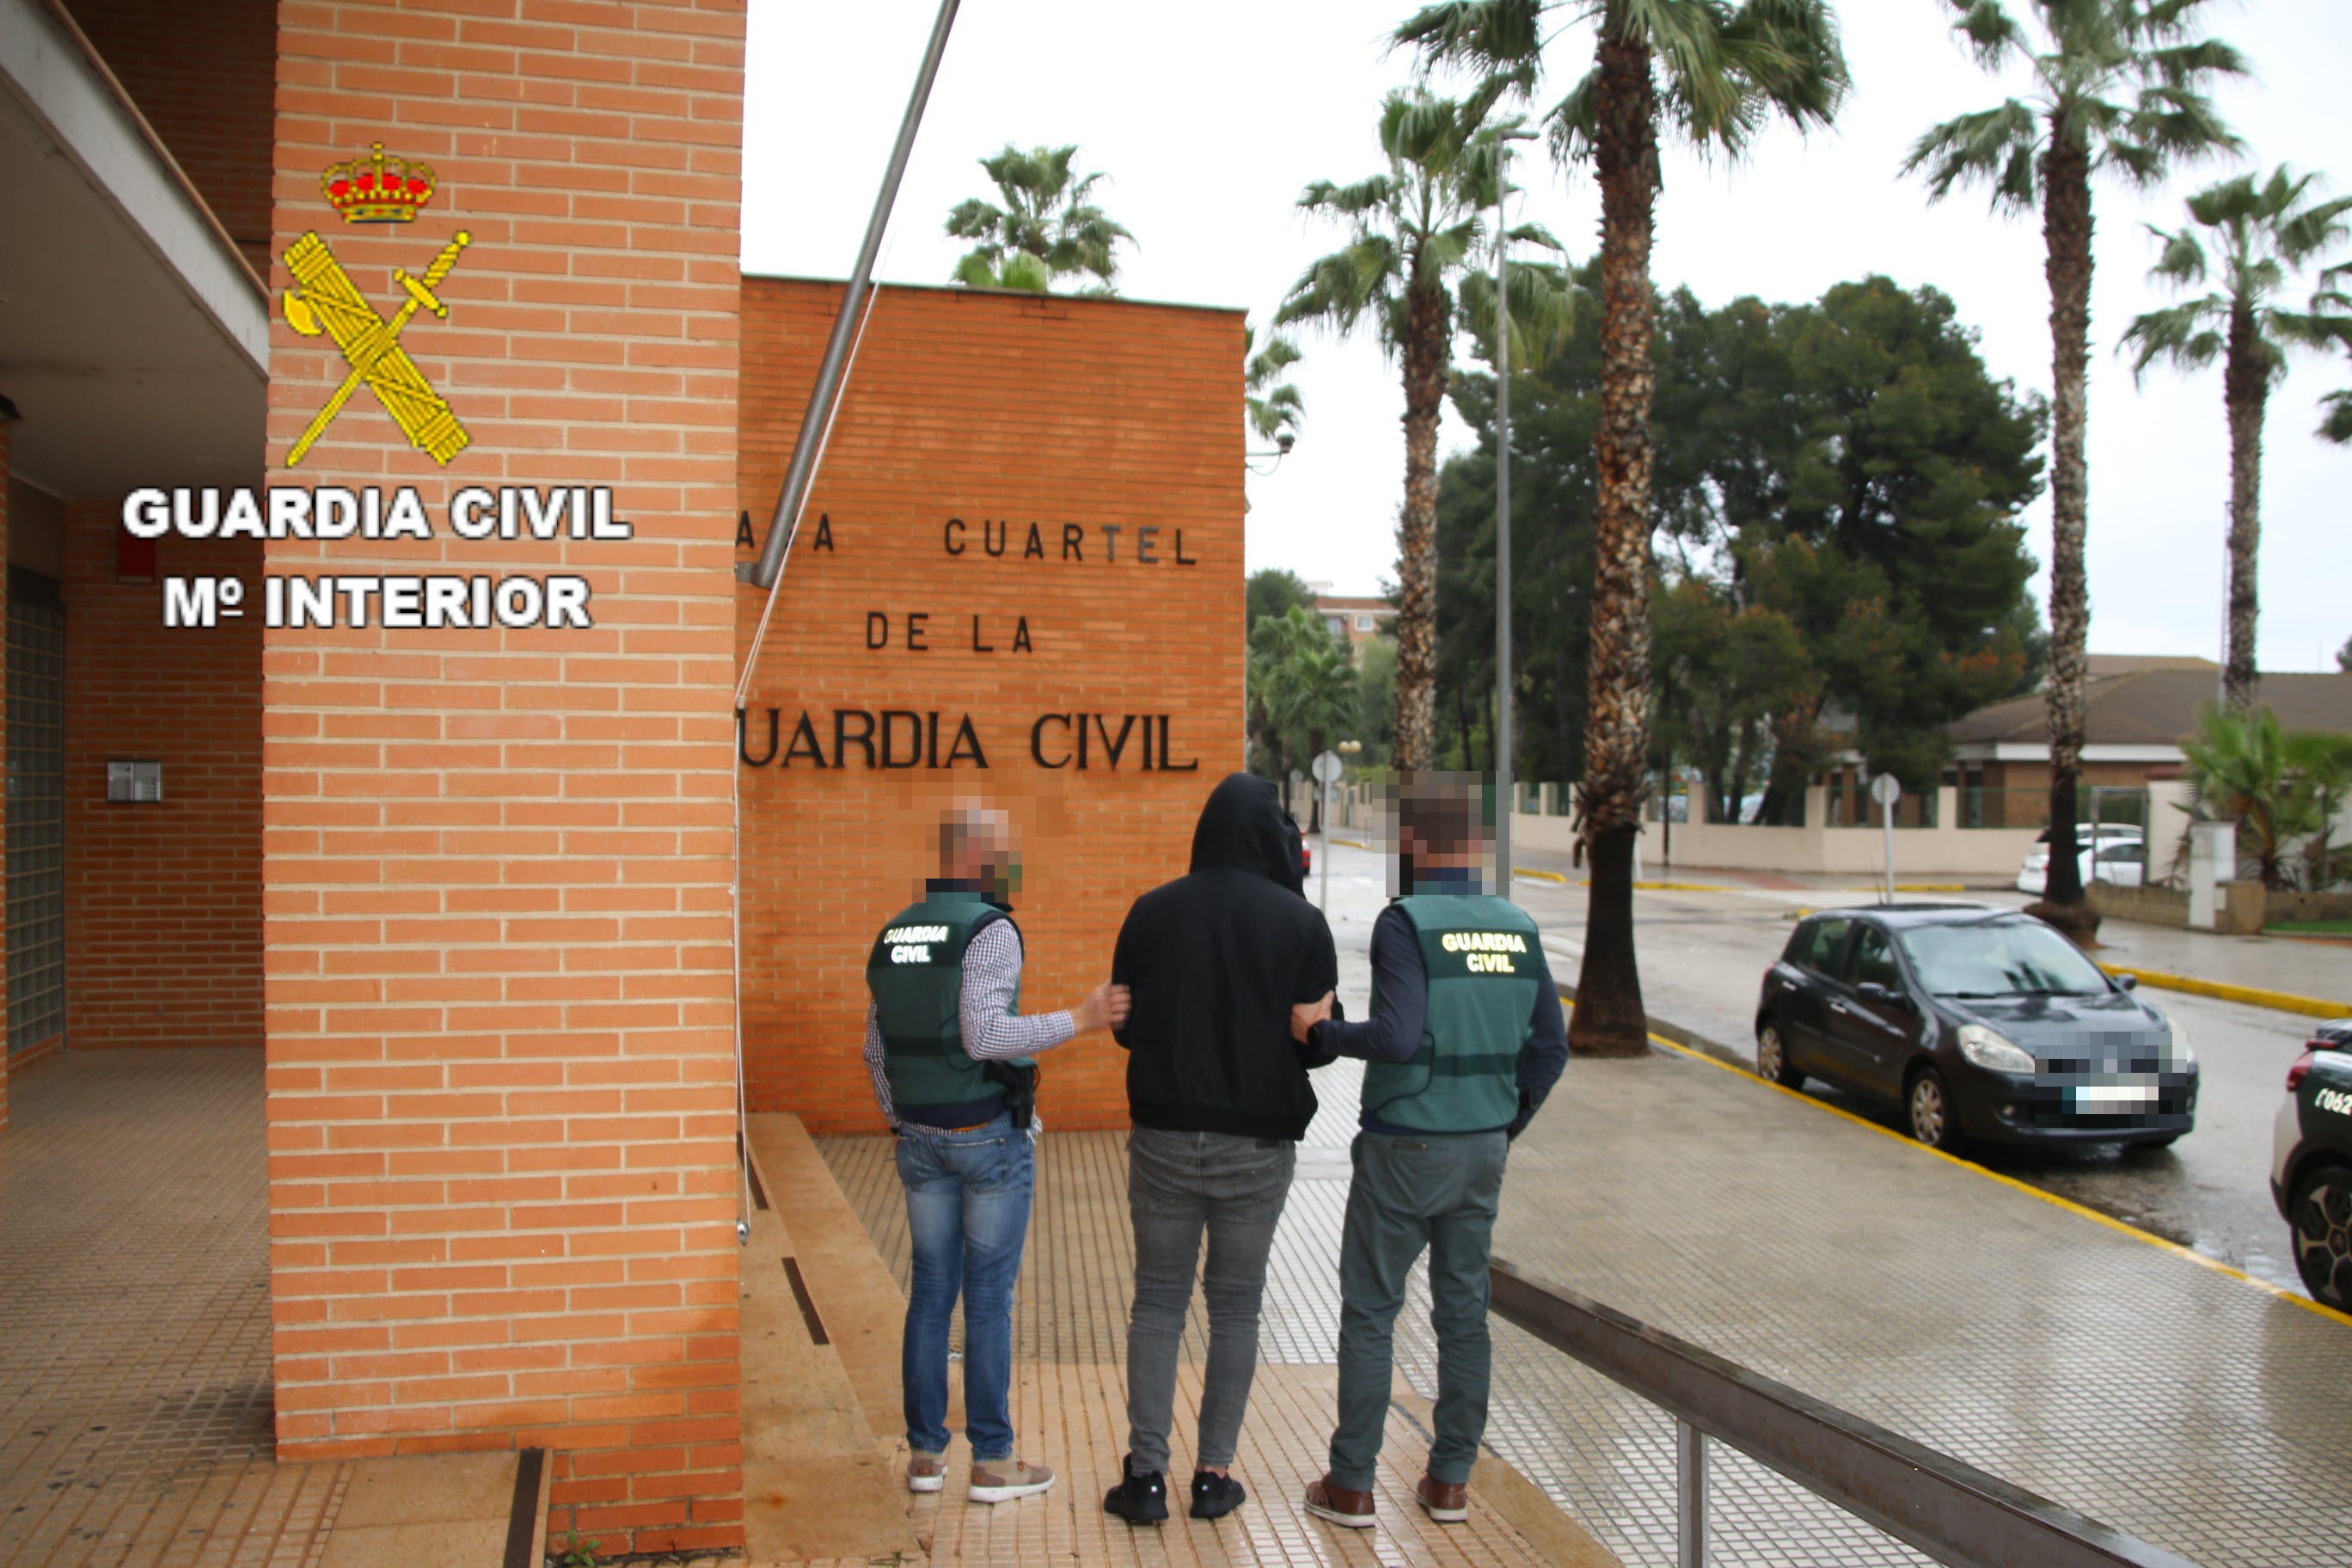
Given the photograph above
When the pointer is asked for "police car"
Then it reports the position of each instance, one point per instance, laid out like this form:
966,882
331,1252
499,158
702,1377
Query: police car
2310,1162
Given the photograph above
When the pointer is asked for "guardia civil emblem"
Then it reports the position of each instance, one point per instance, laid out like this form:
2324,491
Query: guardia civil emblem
375,189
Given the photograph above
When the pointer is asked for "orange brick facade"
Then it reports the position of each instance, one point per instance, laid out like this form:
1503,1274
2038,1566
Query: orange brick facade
3,762
474,887
497,863
162,899
1112,430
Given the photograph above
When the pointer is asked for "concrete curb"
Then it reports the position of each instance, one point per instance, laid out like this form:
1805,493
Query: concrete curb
1699,1044
1674,1032
2222,991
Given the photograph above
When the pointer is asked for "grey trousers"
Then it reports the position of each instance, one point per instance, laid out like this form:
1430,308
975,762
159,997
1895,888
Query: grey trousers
1178,1185
1437,1192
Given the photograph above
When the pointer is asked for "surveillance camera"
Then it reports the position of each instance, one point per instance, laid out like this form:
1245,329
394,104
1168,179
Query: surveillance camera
1284,441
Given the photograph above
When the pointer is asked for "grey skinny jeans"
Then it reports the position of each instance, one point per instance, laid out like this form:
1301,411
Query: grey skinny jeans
1178,1184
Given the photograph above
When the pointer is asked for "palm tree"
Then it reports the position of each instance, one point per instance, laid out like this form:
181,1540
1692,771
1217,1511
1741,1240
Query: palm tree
2264,235
2337,424
1411,268
1276,408
1048,228
2118,85
1717,73
1308,680
2278,785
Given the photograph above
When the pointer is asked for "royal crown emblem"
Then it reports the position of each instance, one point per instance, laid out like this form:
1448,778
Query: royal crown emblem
325,302
377,189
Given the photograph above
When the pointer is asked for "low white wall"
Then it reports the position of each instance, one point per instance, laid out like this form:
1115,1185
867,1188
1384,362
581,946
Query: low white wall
1983,853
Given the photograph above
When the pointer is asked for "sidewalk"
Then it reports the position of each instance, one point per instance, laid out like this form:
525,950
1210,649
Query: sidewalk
2118,1377
2164,1397
2315,969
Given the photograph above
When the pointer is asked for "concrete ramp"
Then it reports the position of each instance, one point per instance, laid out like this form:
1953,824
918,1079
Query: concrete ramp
818,1312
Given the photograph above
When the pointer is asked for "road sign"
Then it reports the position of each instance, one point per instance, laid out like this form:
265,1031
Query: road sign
1886,789
1329,767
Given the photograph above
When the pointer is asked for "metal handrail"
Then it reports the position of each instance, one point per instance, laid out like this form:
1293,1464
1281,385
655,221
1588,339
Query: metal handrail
1947,1508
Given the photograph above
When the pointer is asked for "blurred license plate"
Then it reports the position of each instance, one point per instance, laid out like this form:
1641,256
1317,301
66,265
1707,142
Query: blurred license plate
2114,1097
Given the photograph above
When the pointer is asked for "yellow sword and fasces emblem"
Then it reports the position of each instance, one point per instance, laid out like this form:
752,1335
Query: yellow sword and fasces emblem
377,189
328,300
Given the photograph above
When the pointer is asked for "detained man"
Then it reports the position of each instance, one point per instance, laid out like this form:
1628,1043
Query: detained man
1217,1090
951,1058
1465,1040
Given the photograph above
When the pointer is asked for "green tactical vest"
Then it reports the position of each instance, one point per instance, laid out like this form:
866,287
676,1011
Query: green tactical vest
1481,956
916,974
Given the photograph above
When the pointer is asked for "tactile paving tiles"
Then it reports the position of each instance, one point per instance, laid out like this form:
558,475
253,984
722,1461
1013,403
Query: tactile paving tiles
2196,1411
135,1414
2158,1396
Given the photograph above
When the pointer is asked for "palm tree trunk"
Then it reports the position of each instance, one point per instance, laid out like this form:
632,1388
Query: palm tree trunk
2066,238
1426,350
2245,385
1608,1019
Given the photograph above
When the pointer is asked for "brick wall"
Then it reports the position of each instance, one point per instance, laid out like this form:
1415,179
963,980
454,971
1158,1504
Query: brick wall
498,863
4,771
1077,415
162,899
203,76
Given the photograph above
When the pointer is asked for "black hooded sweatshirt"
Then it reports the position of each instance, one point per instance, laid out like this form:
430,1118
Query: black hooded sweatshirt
1215,960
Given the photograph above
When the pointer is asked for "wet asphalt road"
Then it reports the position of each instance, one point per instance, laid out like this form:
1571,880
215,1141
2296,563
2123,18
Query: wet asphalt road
1703,955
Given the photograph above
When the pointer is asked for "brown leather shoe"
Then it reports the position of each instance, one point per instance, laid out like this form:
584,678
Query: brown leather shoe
1448,1502
1340,1505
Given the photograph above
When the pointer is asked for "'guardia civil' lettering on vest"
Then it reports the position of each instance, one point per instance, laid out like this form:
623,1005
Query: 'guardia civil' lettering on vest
916,975
1464,1076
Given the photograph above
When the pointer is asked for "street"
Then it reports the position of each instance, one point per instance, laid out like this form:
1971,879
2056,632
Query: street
1703,955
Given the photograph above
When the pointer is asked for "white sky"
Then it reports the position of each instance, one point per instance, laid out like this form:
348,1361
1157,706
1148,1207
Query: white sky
1209,126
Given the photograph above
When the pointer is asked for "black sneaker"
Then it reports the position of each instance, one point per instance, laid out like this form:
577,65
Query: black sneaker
1140,1498
1216,1496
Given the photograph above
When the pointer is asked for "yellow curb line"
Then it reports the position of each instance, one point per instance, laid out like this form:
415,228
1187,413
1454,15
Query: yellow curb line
1539,876
2052,1198
1350,843
1670,887
1916,888
2222,991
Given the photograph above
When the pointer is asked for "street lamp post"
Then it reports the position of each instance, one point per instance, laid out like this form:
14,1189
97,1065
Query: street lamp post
1504,783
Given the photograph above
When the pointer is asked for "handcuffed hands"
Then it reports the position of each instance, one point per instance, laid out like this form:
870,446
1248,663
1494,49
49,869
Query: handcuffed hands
1305,1016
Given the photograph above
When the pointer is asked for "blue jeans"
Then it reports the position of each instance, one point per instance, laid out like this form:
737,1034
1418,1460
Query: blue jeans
968,1211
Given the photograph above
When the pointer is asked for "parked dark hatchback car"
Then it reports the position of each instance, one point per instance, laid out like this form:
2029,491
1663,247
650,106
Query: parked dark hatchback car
1981,1024
2310,1162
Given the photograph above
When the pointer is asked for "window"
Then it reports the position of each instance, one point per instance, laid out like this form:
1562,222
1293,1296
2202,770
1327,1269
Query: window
1817,946
2000,958
1363,623
1873,961
1336,624
37,809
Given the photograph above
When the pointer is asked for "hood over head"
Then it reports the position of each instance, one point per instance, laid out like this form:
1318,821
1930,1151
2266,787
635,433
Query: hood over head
1245,825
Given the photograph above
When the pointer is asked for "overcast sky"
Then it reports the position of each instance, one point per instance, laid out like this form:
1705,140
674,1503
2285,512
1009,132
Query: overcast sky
1209,118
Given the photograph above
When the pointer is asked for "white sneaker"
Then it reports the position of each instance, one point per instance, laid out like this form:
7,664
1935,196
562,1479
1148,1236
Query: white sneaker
926,1472
1004,1480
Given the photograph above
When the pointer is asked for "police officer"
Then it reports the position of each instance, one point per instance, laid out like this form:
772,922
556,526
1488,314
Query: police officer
952,1062
1465,1039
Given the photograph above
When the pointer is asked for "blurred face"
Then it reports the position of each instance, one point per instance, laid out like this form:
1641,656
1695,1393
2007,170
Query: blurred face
1461,855
989,856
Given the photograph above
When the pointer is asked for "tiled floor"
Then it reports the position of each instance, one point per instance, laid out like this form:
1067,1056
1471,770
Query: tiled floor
2191,1409
135,1323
